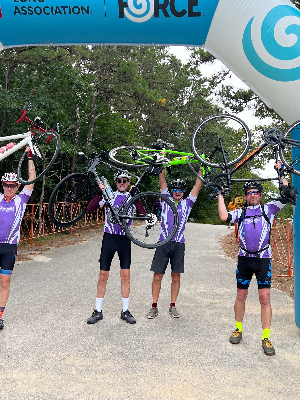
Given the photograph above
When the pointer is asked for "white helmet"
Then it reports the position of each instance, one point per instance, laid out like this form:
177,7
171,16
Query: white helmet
10,177
122,174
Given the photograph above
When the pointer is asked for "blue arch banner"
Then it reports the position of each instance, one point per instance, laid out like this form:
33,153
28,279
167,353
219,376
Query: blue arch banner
105,21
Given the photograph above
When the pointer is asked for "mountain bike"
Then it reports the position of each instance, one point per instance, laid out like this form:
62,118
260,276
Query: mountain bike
136,215
44,145
225,139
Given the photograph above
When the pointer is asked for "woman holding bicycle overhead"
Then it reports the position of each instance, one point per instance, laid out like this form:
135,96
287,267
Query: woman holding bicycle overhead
114,240
254,229
12,208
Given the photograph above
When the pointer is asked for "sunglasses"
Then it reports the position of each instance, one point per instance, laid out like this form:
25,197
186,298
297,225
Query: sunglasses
122,180
177,190
7,185
256,192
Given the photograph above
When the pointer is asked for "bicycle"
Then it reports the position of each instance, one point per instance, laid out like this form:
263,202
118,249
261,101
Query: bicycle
136,215
227,148
44,145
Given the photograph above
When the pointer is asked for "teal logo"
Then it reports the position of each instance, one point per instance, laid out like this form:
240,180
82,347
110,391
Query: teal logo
286,15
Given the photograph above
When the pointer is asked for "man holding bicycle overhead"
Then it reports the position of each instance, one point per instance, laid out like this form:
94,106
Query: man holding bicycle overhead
114,240
254,229
173,250
12,208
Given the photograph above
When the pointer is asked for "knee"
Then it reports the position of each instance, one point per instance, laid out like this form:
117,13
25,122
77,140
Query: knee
103,277
264,300
157,277
5,284
241,295
125,276
175,278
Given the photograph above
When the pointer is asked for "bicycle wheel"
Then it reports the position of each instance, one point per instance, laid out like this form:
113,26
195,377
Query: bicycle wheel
141,224
290,148
69,200
130,156
233,133
46,146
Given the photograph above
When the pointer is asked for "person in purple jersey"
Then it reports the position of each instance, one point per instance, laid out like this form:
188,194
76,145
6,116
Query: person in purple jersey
173,250
12,208
114,240
254,228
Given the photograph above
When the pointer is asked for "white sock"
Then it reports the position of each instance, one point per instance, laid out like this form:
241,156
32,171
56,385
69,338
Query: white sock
99,304
125,303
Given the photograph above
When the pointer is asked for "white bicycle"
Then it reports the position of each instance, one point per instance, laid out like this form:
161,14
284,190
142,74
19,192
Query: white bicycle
44,145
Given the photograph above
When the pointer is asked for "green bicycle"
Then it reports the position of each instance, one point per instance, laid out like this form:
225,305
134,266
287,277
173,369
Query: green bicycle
141,157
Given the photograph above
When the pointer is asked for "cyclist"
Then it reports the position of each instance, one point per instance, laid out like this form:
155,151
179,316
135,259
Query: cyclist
173,250
254,228
114,240
12,208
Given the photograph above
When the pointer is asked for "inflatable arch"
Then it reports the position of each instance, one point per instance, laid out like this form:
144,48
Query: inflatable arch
258,40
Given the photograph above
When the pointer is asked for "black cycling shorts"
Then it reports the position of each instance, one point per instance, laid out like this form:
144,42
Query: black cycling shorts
247,266
8,255
172,251
112,244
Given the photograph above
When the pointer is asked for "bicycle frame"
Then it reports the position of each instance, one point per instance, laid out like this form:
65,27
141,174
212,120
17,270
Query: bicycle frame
117,215
181,159
26,141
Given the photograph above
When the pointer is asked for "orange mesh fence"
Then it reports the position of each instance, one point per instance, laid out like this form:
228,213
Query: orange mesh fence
36,222
282,244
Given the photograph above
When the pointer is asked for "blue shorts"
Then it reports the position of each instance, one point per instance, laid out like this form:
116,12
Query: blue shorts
8,255
247,266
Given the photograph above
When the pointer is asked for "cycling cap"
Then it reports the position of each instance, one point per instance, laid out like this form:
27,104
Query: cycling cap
10,177
252,185
121,174
178,184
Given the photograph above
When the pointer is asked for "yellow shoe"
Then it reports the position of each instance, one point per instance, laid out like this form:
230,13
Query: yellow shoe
268,348
236,337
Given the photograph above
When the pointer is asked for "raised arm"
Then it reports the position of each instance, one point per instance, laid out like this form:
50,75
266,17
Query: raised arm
31,169
162,180
196,189
223,214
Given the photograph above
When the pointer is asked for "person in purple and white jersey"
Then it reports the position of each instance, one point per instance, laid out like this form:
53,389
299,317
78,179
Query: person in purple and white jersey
12,208
254,228
174,249
114,240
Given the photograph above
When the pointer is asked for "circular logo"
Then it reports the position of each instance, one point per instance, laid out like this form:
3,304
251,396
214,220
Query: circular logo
139,10
275,50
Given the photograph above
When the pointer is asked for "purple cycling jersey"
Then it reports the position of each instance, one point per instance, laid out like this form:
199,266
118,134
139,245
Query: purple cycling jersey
254,232
167,221
110,227
11,214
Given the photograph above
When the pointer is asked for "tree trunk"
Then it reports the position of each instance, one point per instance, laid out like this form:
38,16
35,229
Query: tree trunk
76,138
92,120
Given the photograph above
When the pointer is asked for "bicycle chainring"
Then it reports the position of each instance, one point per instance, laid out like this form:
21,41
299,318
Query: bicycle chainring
273,136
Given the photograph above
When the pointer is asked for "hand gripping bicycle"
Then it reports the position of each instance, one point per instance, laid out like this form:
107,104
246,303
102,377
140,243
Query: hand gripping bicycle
226,139
136,215
43,144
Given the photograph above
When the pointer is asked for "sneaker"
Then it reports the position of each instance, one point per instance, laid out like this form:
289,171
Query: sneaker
173,312
268,348
236,337
128,317
152,313
96,316
1,323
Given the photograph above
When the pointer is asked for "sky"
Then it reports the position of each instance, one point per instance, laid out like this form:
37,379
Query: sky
247,116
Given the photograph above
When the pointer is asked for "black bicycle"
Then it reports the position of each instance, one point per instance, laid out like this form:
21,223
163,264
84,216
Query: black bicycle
225,141
136,215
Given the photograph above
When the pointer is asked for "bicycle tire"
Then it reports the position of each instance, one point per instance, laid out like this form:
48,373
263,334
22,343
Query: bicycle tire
234,132
68,201
147,233
123,156
48,145
290,149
